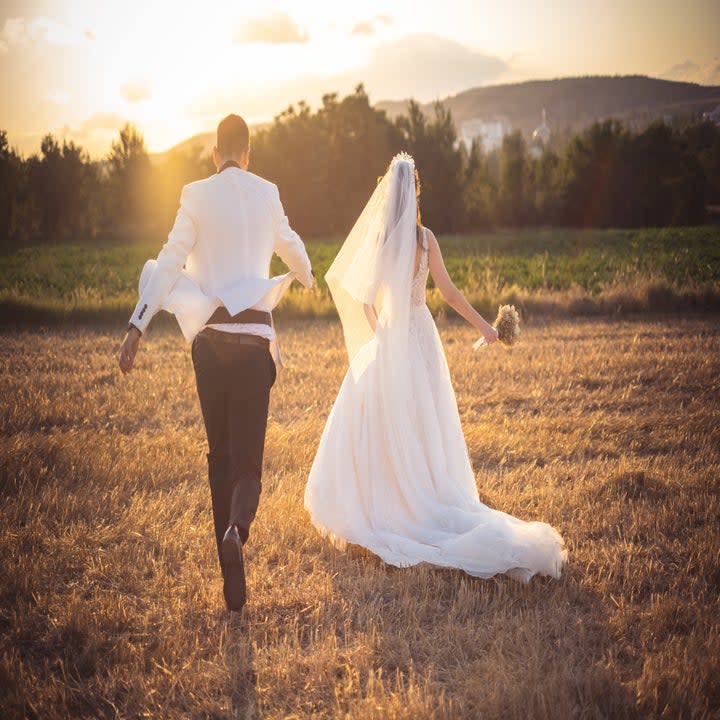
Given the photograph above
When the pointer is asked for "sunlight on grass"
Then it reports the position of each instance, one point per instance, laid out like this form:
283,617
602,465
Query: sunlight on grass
112,602
560,272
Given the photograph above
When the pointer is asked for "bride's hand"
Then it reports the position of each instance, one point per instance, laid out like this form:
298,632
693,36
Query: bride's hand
488,337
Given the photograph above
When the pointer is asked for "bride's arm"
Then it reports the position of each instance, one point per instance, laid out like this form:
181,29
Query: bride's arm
371,316
452,295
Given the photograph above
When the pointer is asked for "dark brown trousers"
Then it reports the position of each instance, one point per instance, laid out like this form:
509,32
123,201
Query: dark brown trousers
233,384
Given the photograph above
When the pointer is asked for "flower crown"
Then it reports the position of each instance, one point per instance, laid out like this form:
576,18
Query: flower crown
402,157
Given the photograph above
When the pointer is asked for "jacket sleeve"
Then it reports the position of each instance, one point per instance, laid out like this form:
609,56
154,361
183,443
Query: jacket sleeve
170,262
288,244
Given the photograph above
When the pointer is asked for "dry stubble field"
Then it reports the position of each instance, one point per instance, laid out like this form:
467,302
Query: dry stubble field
111,599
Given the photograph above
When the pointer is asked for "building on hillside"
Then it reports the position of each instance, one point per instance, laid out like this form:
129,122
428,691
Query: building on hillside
540,137
489,133
713,116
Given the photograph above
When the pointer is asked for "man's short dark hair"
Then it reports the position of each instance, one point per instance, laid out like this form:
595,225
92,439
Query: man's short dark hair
233,136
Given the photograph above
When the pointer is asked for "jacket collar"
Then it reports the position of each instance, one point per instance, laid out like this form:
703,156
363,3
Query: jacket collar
226,165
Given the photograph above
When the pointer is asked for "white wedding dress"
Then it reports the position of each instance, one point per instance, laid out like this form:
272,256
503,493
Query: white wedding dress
392,472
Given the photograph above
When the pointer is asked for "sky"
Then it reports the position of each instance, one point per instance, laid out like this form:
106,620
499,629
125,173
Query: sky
81,68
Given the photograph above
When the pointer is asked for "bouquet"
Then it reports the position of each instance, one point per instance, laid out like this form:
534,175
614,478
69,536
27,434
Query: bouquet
507,324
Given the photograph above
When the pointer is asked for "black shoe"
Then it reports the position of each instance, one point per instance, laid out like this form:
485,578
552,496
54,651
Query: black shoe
234,570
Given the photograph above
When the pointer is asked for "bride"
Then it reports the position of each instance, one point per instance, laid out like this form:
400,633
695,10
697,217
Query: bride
392,471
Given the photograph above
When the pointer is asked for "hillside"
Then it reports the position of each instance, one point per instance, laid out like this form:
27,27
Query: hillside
204,141
575,103
572,104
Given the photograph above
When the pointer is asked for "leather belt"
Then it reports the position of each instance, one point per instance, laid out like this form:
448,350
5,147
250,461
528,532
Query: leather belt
249,316
231,338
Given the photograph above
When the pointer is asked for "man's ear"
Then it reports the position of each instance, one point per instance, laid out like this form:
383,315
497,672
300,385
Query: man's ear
216,156
245,159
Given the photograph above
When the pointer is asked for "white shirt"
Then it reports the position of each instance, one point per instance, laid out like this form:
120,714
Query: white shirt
264,331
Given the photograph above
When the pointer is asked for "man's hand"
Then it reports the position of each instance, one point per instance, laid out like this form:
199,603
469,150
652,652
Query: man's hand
129,350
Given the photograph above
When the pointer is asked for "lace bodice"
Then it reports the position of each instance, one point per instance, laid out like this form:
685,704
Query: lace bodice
420,280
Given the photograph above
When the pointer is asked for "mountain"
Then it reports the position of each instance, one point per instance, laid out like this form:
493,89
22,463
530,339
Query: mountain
574,103
205,141
571,103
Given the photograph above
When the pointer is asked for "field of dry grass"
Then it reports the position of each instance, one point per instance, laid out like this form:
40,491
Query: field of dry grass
111,598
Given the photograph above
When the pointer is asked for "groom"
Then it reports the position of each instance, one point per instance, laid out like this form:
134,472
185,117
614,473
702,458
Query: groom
225,232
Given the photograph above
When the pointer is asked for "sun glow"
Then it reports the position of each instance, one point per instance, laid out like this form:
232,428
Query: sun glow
80,68
173,69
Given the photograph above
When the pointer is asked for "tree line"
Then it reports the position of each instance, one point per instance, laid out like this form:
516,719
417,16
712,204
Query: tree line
326,163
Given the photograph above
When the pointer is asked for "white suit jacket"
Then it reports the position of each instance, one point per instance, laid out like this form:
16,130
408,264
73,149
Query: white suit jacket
218,253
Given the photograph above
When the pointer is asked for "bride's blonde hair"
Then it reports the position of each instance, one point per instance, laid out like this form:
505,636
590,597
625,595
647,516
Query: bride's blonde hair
417,201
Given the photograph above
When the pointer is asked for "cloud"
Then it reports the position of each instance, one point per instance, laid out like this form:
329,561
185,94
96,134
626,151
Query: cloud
368,28
424,67
364,28
102,121
58,97
96,132
690,71
14,32
273,28
711,73
19,31
137,90
681,71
